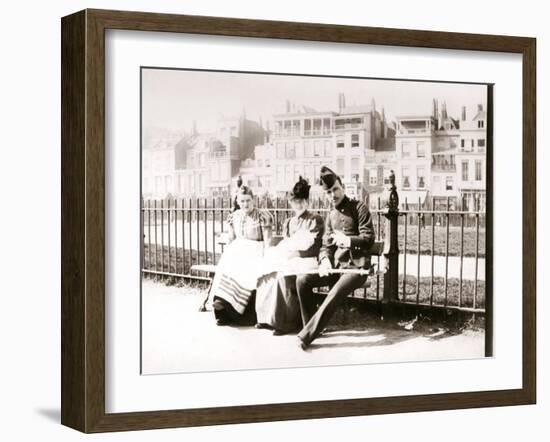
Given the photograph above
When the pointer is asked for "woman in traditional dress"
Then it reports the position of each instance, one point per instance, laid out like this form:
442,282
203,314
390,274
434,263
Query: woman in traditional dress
277,304
234,283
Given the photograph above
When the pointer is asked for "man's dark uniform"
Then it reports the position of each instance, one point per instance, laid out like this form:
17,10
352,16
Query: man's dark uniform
352,218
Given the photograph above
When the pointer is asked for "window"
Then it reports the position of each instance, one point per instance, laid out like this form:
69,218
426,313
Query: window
462,141
465,171
316,172
318,148
280,150
355,165
308,172
307,127
296,127
280,175
290,152
299,150
289,171
340,141
436,183
481,145
354,140
406,150
420,178
328,148
267,162
405,173
308,152
340,166
326,126
297,172
373,177
478,170
449,183
481,124
287,128
317,127
421,149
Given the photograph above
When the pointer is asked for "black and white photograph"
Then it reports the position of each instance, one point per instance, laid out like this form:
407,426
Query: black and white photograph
295,221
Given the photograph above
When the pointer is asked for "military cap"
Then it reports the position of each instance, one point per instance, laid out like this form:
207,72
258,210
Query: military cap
328,177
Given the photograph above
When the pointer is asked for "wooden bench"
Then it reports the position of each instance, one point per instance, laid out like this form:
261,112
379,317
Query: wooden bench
377,249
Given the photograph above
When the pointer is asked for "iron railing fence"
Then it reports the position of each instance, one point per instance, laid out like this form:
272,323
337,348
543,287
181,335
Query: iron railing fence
442,252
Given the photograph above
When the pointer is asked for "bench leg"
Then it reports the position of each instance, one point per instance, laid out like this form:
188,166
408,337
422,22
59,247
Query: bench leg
202,307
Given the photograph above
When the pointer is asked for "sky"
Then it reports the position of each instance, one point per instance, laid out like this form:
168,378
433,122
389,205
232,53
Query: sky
173,99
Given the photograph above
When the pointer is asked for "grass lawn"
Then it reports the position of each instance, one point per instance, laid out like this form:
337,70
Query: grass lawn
440,236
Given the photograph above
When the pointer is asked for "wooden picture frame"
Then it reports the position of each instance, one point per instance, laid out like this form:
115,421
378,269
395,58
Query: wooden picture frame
83,219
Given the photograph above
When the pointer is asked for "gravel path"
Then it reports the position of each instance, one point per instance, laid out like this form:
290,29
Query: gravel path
179,338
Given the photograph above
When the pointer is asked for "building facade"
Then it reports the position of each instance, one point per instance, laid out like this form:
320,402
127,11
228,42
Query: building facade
440,160
437,159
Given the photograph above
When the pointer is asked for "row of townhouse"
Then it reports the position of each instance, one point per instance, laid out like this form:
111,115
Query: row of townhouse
435,157
442,159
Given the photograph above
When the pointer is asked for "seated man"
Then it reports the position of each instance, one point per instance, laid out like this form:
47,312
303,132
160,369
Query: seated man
348,237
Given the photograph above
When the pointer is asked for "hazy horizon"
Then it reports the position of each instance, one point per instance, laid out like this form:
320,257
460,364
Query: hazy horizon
172,99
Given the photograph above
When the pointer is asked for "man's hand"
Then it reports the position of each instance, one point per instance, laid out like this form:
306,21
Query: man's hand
340,239
325,267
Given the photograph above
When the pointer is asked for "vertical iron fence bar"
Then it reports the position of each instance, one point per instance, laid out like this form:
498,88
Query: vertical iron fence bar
418,253
142,231
190,225
432,254
378,260
214,231
205,213
405,252
168,214
476,208
277,215
183,236
156,240
447,220
221,219
162,235
176,235
461,252
197,220
150,266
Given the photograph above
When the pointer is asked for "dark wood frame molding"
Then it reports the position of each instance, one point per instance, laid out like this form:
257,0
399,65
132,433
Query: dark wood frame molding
83,216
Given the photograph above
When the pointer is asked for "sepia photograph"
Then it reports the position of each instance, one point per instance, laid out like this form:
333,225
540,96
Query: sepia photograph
293,221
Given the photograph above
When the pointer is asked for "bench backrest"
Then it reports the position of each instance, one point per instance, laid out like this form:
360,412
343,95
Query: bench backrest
376,249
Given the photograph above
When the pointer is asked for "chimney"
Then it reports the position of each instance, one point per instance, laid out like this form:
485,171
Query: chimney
463,116
341,101
434,108
384,125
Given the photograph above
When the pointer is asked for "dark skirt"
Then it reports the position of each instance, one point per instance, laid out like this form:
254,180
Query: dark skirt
277,303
